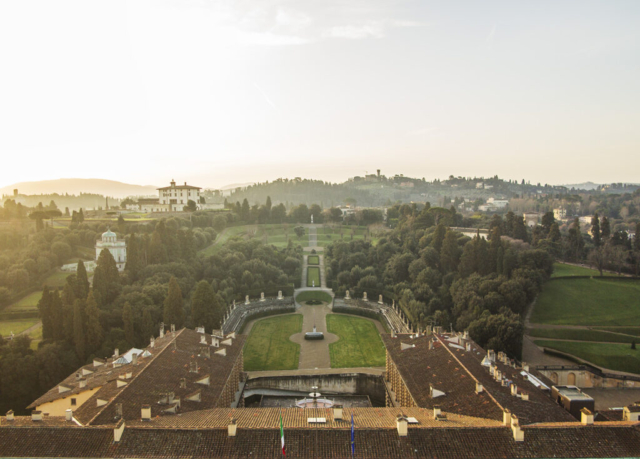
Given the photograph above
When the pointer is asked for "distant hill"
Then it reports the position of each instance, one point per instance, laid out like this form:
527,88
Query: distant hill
233,186
588,186
76,186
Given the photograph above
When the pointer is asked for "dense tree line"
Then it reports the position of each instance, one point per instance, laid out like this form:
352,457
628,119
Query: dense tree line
441,277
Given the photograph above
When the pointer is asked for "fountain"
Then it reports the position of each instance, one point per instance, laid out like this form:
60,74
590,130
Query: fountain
314,334
314,400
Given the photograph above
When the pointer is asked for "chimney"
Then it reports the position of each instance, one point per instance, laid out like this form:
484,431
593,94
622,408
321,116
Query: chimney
506,417
337,412
203,339
518,434
68,415
183,383
146,412
119,410
437,412
116,352
466,334
492,355
152,343
478,387
83,383
514,390
430,344
586,417
134,359
401,425
468,347
525,366
524,396
162,330
118,431
10,415
36,415
193,367
173,328
232,428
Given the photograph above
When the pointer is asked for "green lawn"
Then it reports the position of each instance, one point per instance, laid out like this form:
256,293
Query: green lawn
313,260
313,276
269,347
277,234
582,335
618,357
359,344
328,235
563,269
28,302
16,326
314,295
57,279
588,302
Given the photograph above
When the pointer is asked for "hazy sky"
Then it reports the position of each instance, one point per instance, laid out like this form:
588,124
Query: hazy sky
220,92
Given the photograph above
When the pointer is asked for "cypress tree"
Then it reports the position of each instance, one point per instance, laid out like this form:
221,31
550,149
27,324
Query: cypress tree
106,279
268,205
93,327
202,305
57,316
44,306
520,229
173,313
636,239
127,320
82,282
450,253
68,302
78,329
595,230
438,237
500,261
148,327
605,228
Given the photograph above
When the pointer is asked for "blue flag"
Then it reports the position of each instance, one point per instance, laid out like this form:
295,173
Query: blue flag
353,438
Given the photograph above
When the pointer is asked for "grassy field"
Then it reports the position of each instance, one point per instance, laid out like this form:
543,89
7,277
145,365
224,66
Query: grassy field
57,279
359,344
268,346
36,337
313,276
16,326
313,260
275,234
588,302
314,295
562,269
582,335
327,234
618,357
28,302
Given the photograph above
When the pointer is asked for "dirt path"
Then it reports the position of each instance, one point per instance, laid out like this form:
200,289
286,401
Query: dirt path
30,329
314,354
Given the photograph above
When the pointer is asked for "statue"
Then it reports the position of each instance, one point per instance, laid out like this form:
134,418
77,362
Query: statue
262,296
311,218
280,297
364,297
246,299
347,297
380,301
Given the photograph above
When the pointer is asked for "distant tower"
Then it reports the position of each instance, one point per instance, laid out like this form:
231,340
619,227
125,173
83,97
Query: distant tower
378,173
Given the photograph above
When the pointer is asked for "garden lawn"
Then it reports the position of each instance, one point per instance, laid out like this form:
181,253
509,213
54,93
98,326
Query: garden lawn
57,279
313,260
328,235
562,269
635,331
582,335
588,302
16,326
28,302
618,357
313,276
359,344
268,346
277,234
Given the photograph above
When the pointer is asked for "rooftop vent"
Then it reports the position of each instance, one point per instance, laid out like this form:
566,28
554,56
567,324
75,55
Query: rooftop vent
337,412
68,415
479,387
200,330
146,413
10,415
232,428
435,393
118,431
402,425
36,415
586,416
404,346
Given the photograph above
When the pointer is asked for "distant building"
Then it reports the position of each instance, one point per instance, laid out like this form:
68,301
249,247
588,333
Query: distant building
560,213
178,196
118,248
532,218
494,205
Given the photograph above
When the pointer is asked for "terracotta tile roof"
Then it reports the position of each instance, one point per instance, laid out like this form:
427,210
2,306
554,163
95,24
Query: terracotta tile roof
260,418
152,378
421,367
26,421
538,408
454,443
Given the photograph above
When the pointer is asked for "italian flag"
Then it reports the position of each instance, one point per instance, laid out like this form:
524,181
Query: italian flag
282,436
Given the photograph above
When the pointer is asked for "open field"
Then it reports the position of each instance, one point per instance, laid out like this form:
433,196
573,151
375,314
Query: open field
313,260
314,296
16,326
313,276
618,357
275,234
588,302
57,279
328,234
578,334
563,269
28,302
268,346
359,344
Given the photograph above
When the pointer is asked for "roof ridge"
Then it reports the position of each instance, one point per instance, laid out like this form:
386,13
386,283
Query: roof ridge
484,389
135,377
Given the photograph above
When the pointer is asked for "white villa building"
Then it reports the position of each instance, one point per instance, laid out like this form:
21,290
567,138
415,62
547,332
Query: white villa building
118,248
171,198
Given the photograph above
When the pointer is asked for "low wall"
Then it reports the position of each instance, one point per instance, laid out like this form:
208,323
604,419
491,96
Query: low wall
332,384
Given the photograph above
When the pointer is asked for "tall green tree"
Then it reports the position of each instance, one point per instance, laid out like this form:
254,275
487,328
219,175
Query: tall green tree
148,327
173,306
450,252
95,333
106,279
44,306
204,305
605,229
438,237
78,329
68,301
595,230
57,316
127,320
268,204
82,281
